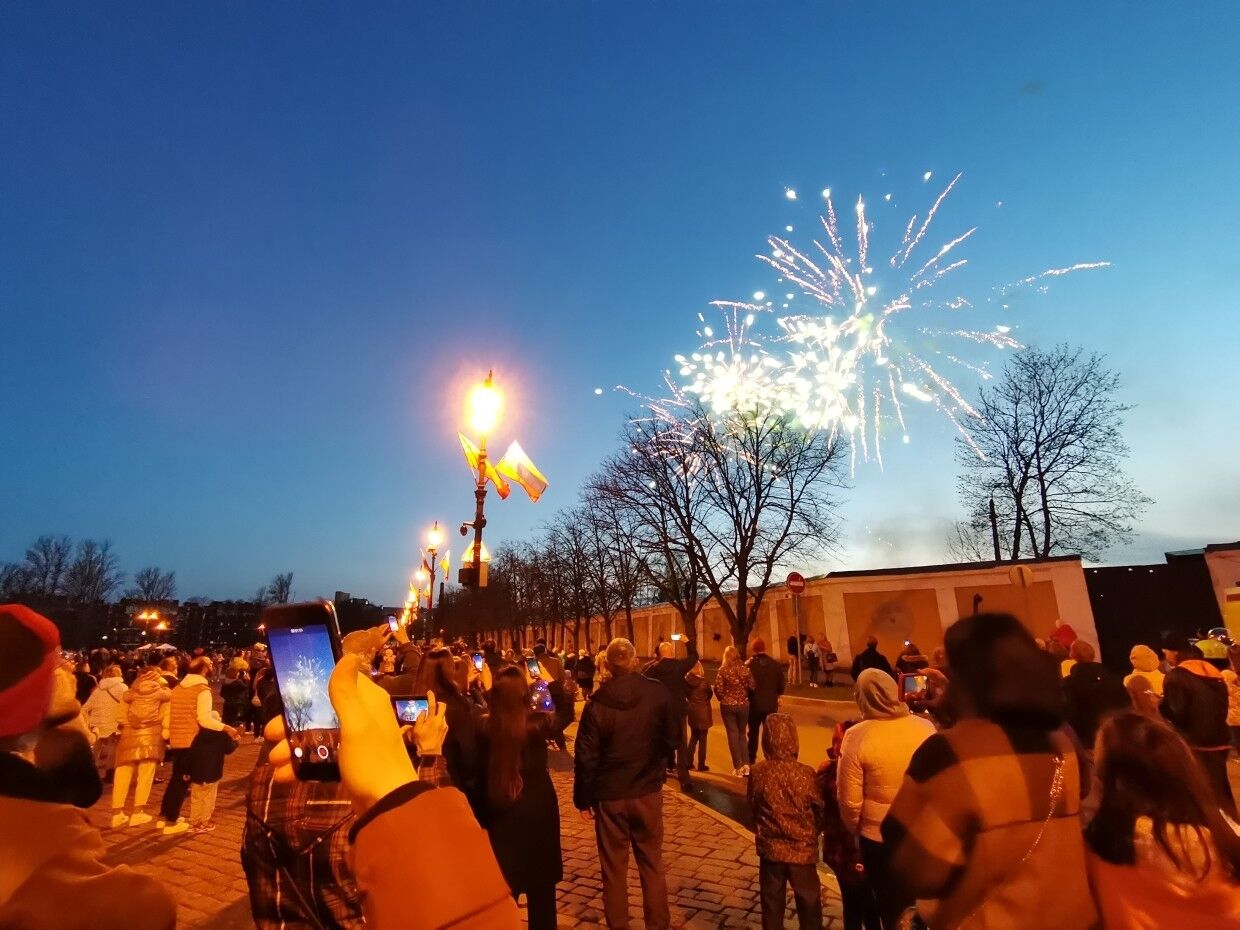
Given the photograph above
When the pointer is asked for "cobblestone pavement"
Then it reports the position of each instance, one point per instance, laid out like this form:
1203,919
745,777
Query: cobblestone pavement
711,867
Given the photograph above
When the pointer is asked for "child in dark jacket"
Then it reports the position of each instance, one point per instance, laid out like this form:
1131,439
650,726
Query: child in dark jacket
206,769
788,811
840,850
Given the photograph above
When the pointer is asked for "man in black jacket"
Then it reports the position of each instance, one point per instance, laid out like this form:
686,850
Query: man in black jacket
671,672
870,657
623,741
1195,703
769,683
1093,691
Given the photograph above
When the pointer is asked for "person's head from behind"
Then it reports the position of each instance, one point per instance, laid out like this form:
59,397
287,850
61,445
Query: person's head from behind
169,665
507,725
112,671
757,647
871,642
153,660
200,666
731,656
1233,657
837,738
1176,648
540,649
621,657
998,673
666,650
437,673
1145,769
1081,651
910,649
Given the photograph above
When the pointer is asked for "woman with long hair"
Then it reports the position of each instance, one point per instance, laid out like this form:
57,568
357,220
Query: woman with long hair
520,811
733,682
438,673
1161,852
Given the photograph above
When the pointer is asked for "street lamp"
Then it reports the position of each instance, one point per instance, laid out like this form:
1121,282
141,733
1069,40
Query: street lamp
434,539
482,410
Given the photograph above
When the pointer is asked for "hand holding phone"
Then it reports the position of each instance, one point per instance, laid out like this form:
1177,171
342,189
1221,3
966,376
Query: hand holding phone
914,687
478,661
532,665
409,709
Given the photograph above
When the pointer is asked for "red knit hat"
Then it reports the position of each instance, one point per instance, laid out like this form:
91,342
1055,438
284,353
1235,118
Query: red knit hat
29,654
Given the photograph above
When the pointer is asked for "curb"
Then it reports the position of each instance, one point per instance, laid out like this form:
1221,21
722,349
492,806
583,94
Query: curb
817,702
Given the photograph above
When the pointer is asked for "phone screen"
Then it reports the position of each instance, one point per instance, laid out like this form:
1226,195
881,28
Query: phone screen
408,709
392,624
676,637
478,661
914,684
540,697
303,659
532,665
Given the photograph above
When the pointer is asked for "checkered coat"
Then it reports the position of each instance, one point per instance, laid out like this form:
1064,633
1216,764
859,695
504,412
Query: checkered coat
962,826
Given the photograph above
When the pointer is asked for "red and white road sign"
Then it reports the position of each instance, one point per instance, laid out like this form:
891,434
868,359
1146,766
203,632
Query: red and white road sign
796,582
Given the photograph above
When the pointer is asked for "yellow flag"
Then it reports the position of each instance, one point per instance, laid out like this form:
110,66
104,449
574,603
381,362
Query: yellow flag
472,455
517,465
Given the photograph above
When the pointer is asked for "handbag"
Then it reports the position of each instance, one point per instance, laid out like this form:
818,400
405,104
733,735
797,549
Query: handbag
910,920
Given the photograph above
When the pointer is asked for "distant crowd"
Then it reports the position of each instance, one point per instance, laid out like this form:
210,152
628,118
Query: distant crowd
1002,781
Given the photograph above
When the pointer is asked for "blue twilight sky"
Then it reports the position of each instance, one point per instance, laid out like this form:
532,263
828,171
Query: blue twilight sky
250,254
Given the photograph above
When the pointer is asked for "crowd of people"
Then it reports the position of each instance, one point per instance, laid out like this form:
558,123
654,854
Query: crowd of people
1020,783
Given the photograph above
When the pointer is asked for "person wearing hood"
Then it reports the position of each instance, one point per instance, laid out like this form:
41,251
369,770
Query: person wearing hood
626,733
874,756
140,750
53,871
1195,703
788,814
770,679
1145,682
102,712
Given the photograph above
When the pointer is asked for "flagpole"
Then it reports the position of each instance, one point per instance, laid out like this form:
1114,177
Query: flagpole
480,496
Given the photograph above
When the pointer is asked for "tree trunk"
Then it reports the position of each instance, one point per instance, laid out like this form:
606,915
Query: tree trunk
628,621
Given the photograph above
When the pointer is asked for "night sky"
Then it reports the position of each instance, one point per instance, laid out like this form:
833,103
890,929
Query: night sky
251,255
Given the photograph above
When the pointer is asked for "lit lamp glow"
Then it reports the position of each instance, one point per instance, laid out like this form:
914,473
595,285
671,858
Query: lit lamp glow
483,407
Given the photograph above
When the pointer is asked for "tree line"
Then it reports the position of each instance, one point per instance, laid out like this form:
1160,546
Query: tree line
696,506
54,568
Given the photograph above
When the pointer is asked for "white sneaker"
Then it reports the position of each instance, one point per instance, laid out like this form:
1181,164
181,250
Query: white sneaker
745,771
119,820
180,826
140,818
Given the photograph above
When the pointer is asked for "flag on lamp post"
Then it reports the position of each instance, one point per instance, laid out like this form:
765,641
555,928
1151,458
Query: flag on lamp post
517,465
472,454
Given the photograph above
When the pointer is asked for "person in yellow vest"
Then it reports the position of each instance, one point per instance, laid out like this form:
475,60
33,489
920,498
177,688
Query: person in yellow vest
190,711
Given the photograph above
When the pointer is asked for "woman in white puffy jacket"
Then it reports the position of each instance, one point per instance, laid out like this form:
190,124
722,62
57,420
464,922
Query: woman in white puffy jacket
873,759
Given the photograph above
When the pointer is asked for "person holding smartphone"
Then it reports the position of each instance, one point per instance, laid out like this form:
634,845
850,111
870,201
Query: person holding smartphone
405,882
520,810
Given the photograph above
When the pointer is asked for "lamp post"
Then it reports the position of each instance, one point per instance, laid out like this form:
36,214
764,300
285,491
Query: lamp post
483,407
434,539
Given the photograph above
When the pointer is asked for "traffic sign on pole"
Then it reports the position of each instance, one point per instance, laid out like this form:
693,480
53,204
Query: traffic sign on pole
796,583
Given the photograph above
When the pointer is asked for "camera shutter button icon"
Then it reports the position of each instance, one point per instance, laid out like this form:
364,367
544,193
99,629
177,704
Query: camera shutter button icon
323,752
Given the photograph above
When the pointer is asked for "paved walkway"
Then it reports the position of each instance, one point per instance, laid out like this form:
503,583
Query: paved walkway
711,867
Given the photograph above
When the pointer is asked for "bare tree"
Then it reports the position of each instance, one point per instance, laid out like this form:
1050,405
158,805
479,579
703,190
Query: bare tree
47,560
653,486
151,584
94,575
771,487
570,550
280,589
1048,449
13,581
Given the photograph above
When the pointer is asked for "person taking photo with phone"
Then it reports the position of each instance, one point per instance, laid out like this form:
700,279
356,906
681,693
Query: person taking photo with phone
520,811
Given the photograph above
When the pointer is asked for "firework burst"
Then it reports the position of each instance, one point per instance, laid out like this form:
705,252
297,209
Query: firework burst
852,340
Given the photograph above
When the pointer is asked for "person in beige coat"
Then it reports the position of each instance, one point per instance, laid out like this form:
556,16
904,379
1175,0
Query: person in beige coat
873,759
144,730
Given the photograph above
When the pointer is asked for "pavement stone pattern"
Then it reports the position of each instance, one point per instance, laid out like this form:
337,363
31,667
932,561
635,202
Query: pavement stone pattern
712,869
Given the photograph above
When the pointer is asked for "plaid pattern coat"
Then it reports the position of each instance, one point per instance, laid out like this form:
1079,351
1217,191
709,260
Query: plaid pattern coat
961,829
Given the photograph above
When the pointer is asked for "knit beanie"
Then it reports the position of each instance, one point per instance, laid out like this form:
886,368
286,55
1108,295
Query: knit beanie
29,655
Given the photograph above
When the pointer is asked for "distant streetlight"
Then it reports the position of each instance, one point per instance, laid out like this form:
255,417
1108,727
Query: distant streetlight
482,411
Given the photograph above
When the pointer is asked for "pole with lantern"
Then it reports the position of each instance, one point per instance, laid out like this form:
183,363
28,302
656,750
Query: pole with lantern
483,407
434,539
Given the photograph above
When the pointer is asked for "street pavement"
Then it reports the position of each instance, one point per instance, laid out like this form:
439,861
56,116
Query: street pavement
712,870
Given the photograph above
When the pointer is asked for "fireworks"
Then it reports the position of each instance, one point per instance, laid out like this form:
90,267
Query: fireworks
854,339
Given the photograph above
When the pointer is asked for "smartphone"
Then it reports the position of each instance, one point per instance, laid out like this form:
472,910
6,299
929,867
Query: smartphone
304,644
408,708
540,697
478,661
532,664
913,687
393,624
677,637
